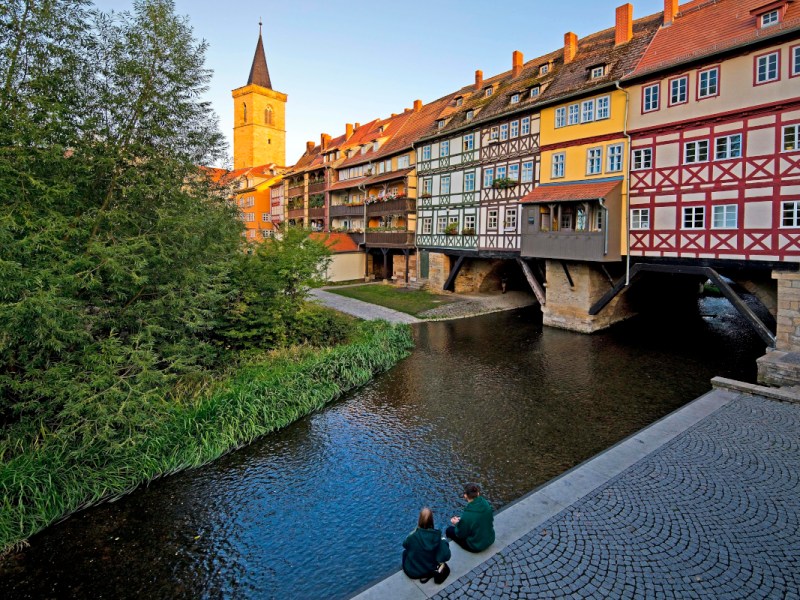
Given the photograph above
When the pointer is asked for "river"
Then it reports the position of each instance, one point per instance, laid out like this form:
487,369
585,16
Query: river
320,509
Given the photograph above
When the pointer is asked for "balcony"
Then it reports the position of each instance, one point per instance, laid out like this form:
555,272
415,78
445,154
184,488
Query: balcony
347,210
296,190
317,187
567,245
441,240
316,212
390,239
296,213
397,206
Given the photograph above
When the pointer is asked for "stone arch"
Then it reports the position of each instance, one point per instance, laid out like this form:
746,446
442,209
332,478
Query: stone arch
268,115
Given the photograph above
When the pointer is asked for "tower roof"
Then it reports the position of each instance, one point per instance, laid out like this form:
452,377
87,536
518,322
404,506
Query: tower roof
259,73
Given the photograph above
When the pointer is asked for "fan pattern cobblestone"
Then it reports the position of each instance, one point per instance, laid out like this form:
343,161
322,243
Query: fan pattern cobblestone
714,513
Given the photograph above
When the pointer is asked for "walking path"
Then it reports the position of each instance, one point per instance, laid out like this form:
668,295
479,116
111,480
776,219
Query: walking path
704,503
363,310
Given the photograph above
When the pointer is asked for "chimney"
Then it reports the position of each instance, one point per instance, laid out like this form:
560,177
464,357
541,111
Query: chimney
348,131
624,25
478,79
309,147
417,105
393,115
357,125
516,63
670,10
570,47
324,140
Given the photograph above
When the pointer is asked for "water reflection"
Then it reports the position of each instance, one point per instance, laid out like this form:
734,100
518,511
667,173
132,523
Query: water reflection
320,508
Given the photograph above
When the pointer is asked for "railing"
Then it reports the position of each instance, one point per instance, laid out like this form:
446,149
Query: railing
358,238
316,187
296,213
441,240
392,207
565,245
394,239
296,190
316,212
347,210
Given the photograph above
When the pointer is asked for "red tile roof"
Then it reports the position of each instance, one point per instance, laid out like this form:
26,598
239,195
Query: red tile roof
706,27
563,192
337,242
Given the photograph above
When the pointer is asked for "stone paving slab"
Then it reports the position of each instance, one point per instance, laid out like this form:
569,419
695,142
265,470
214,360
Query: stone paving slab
704,503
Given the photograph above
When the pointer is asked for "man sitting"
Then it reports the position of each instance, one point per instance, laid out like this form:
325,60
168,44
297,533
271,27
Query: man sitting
474,530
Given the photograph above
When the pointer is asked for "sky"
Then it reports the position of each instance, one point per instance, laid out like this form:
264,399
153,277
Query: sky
355,61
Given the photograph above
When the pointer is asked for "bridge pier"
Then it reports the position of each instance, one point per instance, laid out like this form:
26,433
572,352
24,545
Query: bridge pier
781,366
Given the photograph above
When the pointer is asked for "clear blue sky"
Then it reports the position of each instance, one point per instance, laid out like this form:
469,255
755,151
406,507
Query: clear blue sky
345,62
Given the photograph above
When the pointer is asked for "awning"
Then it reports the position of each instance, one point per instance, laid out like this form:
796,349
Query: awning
570,192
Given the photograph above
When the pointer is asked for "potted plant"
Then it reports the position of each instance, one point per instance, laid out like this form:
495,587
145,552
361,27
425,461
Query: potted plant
451,229
468,231
503,183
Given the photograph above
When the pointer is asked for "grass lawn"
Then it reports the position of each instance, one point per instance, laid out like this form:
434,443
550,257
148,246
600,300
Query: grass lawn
412,302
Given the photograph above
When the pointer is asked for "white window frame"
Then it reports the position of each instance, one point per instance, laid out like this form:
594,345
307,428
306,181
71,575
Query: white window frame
427,225
488,177
510,220
469,222
494,133
795,71
535,91
470,114
768,67
469,181
503,132
587,111
501,172
459,101
513,172
728,146
514,98
693,152
597,72
693,217
603,108
444,148
469,142
491,220
704,87
426,152
573,114
614,158
640,218
527,172
444,185
770,18
721,214
650,97
441,224
679,90
488,91
427,185
790,138
403,162
594,161
790,213
561,117
525,126
642,159
558,165
514,129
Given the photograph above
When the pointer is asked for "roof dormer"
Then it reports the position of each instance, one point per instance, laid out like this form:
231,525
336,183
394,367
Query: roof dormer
770,14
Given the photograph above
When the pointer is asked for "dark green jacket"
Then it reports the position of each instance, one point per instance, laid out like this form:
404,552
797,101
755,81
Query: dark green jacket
424,550
477,524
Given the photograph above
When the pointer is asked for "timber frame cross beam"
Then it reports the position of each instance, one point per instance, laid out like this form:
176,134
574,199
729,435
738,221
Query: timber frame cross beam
451,279
762,330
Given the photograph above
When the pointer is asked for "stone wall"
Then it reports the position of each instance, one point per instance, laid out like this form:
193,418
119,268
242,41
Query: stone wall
438,270
473,274
567,307
781,366
399,268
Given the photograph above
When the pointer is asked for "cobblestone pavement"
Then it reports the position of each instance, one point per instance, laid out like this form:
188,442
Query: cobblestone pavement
714,513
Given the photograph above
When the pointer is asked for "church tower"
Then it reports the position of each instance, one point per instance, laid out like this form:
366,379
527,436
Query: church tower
259,117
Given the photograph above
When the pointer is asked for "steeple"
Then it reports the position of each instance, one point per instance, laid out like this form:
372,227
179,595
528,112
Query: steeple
259,73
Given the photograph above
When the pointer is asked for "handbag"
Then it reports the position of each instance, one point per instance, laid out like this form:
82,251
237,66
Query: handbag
441,573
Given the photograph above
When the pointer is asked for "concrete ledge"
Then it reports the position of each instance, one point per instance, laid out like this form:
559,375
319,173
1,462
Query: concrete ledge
526,514
783,394
779,368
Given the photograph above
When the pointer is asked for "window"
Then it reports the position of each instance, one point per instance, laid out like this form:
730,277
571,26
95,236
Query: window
514,129
558,165
426,152
594,161
535,91
402,162
642,159
694,217
488,92
469,222
724,216
504,131
268,115
494,133
791,137
427,224
469,181
265,216
708,83
427,186
453,219
614,158
574,114
469,142
514,98
244,111
513,172
587,111
527,172
597,72
640,218
444,148
795,61
441,224
677,90
470,114
769,18
561,117
249,217
488,177
767,67
544,69
491,222
603,105
650,98
381,167
566,219
501,172
511,219
526,126
695,152
790,214
444,184
459,101
729,146
440,123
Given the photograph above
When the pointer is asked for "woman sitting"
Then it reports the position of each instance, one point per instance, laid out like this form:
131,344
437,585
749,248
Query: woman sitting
425,550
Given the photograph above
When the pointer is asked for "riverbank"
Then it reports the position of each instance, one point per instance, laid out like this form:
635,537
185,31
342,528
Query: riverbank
48,475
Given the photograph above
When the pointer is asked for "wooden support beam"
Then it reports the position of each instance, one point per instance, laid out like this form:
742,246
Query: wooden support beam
567,273
763,332
449,285
405,251
537,288
385,262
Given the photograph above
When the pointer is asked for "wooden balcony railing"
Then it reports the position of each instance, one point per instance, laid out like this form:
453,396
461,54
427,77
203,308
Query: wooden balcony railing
296,213
316,188
316,213
398,206
390,239
347,210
